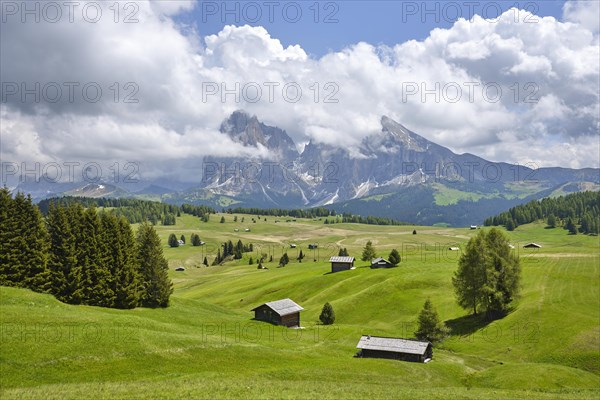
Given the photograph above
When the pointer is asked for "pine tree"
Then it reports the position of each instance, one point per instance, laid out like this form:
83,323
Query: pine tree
327,316
173,242
154,277
552,221
62,257
570,226
343,252
369,252
92,272
222,219
284,260
300,256
394,257
250,261
430,327
124,271
205,262
182,238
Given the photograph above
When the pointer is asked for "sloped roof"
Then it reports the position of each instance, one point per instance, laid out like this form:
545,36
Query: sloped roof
341,259
395,345
282,307
532,245
379,259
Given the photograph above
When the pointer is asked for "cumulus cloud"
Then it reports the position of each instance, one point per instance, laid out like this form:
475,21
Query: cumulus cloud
503,89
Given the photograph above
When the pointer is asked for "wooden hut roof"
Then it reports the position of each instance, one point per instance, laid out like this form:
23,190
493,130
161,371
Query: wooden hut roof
395,345
339,259
282,307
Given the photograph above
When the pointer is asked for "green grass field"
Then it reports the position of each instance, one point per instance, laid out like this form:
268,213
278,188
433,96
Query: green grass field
206,345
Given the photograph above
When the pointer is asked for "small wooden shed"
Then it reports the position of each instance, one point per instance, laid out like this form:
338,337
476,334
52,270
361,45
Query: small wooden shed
281,312
394,348
381,263
341,263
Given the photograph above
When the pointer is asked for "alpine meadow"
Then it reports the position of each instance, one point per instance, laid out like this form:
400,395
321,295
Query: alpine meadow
299,200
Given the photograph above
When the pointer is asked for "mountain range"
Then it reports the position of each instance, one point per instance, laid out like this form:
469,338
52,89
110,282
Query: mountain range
394,173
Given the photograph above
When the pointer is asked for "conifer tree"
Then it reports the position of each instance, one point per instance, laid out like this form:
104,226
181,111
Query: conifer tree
155,283
327,316
62,257
430,327
173,242
394,257
369,252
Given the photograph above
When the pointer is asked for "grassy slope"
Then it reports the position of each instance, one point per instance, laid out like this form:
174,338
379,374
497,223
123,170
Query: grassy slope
206,345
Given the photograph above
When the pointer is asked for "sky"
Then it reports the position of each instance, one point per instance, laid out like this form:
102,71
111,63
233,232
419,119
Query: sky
151,81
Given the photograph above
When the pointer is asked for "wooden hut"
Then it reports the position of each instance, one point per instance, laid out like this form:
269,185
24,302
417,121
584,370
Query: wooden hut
281,312
394,348
341,263
381,263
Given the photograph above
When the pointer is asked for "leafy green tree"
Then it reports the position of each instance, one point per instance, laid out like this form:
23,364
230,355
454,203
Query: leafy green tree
173,242
430,327
551,221
369,252
327,316
488,274
154,277
394,257
222,219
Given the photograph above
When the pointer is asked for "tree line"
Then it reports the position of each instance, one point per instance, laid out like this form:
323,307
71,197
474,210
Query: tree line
81,256
576,212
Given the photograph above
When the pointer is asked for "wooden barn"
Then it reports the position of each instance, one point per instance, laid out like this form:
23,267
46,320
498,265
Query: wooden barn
381,263
281,312
341,263
394,348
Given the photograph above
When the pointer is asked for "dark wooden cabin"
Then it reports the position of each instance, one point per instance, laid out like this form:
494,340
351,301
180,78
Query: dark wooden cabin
394,348
381,263
281,312
341,263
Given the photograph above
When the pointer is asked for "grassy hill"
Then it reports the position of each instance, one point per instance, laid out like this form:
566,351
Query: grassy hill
206,345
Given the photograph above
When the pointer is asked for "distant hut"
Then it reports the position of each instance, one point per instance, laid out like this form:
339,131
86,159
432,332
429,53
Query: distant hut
341,263
179,269
394,348
281,312
292,246
473,227
313,246
381,263
532,246
454,248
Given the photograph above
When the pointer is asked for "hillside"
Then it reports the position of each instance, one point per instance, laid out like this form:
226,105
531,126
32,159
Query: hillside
205,345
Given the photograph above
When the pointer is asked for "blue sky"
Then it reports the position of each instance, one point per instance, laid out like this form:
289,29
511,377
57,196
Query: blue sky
327,26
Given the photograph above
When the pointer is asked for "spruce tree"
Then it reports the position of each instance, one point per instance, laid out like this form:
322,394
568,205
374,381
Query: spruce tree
394,257
62,257
430,327
327,316
205,262
93,273
173,242
182,238
155,283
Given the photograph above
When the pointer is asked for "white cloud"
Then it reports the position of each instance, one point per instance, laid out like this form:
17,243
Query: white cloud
555,62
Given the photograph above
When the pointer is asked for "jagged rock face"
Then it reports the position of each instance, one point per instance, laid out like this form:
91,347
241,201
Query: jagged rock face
390,160
404,167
